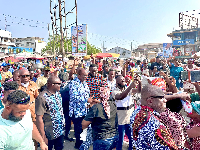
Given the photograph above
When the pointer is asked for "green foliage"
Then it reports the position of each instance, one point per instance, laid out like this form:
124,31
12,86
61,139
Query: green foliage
50,46
92,49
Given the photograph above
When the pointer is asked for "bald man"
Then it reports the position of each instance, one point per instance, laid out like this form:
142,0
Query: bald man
30,88
148,131
49,114
79,96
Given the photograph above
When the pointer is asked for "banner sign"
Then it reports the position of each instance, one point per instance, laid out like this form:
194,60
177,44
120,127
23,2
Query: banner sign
167,50
183,42
16,50
82,40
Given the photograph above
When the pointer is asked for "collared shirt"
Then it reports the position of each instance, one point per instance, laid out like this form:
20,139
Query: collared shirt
111,84
148,131
16,135
50,106
79,94
125,106
32,91
94,84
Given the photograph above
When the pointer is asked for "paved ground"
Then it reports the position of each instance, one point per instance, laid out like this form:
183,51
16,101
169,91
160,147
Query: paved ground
70,145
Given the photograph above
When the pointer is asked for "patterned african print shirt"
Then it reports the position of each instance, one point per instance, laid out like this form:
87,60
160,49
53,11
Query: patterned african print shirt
148,131
94,84
79,94
50,106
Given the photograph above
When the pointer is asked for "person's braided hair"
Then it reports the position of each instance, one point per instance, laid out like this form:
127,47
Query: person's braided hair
17,97
12,85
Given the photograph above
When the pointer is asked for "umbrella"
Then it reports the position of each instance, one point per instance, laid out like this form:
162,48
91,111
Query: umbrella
101,55
115,55
89,56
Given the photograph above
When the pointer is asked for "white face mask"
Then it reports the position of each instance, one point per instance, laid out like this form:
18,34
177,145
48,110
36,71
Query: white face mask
25,84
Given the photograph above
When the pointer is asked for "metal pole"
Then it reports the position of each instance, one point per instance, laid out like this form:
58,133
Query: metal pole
5,23
66,26
76,25
61,32
56,38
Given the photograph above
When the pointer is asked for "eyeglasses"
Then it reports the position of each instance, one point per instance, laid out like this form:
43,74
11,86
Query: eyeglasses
24,76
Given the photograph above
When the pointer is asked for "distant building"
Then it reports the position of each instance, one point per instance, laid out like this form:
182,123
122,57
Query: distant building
36,43
5,41
124,53
187,40
148,48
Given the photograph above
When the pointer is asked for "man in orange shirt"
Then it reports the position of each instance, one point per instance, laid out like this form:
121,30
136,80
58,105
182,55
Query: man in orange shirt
30,87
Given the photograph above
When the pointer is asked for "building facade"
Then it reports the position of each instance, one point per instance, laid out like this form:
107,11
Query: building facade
145,49
6,40
187,41
36,43
124,53
7,43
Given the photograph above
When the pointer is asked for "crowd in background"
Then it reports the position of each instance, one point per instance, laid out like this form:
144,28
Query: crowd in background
148,104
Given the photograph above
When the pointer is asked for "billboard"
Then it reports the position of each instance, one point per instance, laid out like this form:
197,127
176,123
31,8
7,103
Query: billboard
82,40
16,50
167,50
183,42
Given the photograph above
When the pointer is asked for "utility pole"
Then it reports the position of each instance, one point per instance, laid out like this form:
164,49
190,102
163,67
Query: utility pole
76,25
131,47
66,25
61,32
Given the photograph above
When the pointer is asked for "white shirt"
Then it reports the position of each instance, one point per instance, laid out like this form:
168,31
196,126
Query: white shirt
16,135
111,84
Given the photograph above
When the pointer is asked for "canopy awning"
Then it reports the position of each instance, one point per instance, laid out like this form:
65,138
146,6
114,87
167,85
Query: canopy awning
102,55
115,55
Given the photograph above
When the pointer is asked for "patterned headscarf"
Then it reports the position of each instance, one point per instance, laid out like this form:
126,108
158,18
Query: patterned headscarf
104,95
196,107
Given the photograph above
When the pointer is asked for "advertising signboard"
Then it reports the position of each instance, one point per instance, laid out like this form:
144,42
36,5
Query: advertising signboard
16,50
167,50
82,40
183,42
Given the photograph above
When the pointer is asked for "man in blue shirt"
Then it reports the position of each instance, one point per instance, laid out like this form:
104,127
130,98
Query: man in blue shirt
79,96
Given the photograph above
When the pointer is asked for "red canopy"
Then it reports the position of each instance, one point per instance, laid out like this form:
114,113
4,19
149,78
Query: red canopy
36,58
101,55
11,58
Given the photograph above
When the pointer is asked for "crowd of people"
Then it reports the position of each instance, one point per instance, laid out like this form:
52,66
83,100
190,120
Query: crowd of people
147,104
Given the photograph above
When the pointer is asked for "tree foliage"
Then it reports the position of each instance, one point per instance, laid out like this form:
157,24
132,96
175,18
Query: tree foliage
67,44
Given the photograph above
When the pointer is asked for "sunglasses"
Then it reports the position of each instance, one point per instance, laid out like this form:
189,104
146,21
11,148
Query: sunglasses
24,76
160,97
57,83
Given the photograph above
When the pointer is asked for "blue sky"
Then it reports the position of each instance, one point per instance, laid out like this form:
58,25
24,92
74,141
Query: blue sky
117,22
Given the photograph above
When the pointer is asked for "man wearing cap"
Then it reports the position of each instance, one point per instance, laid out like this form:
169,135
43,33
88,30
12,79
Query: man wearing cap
6,74
41,81
10,68
157,64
